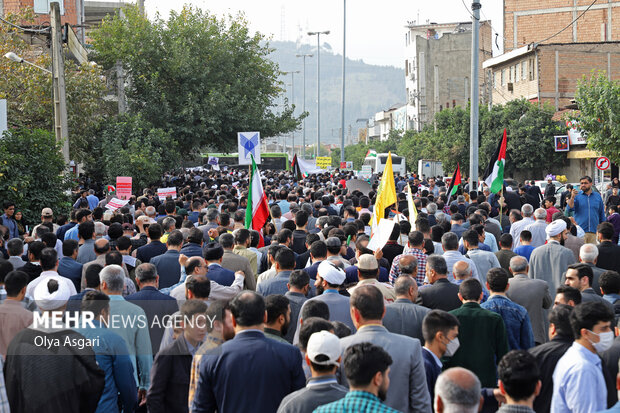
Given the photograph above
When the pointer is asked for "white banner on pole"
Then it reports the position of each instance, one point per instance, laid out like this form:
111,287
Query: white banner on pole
3,116
249,144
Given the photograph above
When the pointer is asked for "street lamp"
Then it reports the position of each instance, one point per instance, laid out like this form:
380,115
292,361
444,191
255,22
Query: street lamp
292,73
12,56
303,148
318,88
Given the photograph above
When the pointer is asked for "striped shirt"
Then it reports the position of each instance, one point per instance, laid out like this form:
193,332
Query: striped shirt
420,256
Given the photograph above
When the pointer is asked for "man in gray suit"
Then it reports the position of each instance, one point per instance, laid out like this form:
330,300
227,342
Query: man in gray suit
408,391
588,253
403,316
531,294
236,262
548,262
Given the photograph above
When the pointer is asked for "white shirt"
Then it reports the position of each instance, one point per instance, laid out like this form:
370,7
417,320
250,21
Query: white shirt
44,276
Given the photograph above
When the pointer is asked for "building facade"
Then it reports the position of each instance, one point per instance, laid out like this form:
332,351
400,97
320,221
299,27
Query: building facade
438,68
534,21
549,74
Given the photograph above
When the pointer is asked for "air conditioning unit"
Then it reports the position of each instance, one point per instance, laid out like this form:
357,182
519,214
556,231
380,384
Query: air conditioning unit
510,87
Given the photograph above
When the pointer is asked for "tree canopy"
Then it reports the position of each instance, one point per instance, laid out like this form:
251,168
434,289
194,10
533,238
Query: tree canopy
530,138
598,99
199,78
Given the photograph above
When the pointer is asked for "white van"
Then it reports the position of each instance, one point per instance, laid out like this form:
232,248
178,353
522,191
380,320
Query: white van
377,163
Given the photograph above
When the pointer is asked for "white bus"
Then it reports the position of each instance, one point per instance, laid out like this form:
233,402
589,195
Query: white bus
377,163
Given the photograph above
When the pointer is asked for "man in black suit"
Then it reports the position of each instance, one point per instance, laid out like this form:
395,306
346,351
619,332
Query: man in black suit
608,252
155,247
157,306
441,294
171,369
548,354
535,192
233,379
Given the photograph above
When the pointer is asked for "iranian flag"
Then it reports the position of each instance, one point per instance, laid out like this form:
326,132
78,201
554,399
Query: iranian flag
494,174
455,182
257,211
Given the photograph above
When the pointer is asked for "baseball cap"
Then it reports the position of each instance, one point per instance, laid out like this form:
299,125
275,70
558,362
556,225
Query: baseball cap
330,273
367,262
47,212
323,348
333,242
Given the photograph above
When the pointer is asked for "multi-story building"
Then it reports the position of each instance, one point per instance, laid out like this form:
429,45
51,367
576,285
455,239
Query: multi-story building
438,68
535,21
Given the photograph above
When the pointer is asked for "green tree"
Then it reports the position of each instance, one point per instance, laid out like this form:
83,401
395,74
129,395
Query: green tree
28,90
199,78
598,99
31,169
530,146
130,146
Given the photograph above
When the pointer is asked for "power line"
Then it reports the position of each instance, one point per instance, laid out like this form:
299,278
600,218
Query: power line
23,28
570,24
468,11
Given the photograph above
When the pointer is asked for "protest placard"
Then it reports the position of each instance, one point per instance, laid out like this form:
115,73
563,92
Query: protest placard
164,193
123,187
116,203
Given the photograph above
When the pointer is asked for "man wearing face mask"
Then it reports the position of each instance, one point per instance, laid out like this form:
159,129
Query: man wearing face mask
440,330
548,262
580,367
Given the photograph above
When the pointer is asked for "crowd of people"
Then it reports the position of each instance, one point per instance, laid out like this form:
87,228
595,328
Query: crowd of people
486,302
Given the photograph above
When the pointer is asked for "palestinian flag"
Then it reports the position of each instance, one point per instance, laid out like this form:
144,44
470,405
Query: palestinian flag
257,211
494,174
298,174
371,153
455,182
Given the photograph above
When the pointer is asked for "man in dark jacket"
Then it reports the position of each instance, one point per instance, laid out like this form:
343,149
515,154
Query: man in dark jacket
441,294
224,371
548,354
299,235
157,306
167,264
172,366
155,247
193,248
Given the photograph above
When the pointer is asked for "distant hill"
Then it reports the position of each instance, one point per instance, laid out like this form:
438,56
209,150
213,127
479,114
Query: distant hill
369,89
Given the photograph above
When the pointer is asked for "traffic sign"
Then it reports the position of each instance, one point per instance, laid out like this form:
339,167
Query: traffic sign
602,163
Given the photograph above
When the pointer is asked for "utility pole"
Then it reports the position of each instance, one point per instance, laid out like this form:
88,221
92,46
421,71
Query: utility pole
292,73
58,77
303,148
318,89
141,6
475,95
344,60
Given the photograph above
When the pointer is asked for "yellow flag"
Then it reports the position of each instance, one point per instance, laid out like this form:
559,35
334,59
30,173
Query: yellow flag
413,212
386,194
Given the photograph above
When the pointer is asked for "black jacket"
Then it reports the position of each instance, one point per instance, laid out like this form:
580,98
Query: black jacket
170,379
608,256
442,295
547,355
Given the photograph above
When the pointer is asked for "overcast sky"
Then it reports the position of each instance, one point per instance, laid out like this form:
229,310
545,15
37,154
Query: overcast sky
375,30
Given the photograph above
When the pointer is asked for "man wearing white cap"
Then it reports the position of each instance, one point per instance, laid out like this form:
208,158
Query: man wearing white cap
47,215
323,357
329,278
64,375
368,271
550,261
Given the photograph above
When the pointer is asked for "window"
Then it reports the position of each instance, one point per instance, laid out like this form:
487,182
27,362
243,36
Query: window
43,6
517,72
531,67
406,70
503,77
524,70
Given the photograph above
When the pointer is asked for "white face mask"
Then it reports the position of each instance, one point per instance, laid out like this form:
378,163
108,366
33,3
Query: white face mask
452,346
605,341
